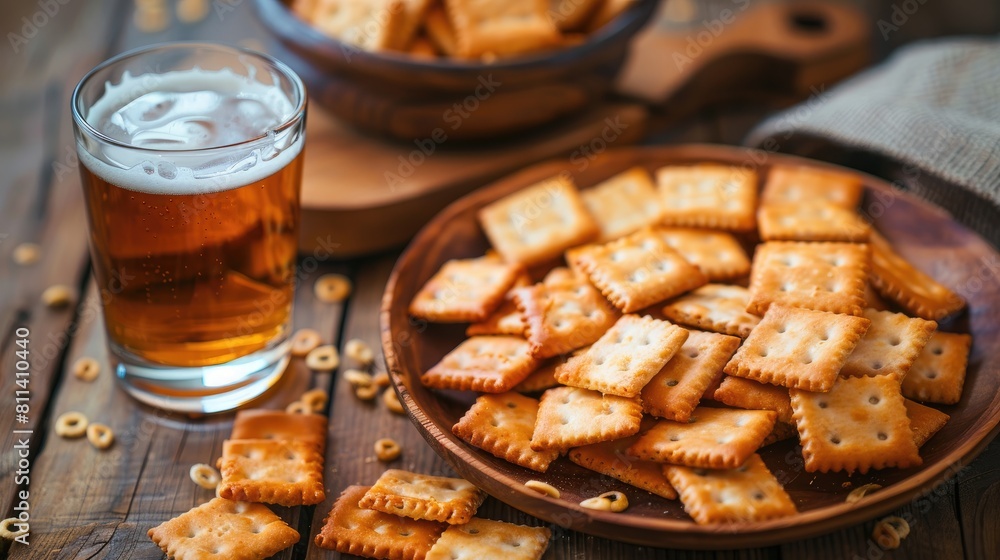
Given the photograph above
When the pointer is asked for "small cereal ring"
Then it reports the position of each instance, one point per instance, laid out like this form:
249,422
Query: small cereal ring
618,500
298,407
6,531
597,503
71,425
387,450
381,379
323,358
26,253
205,476
315,399
542,488
57,296
392,401
886,536
366,392
191,11
861,491
359,351
332,288
899,524
305,341
100,436
358,378
86,369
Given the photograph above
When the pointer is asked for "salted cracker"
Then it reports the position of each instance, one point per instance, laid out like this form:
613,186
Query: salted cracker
811,221
280,425
924,421
610,458
371,25
283,472
716,253
506,319
753,395
624,203
788,184
501,27
502,426
890,346
421,496
938,373
714,307
571,417
542,378
484,538
563,316
489,364
709,196
465,290
916,292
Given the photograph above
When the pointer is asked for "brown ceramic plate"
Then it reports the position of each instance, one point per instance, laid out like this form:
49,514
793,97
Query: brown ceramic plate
926,235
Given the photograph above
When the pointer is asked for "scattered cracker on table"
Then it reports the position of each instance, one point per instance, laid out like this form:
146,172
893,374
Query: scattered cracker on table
484,539
708,195
798,348
465,290
501,27
743,494
280,425
716,253
233,530
924,421
420,496
800,184
753,395
811,221
713,438
624,360
489,364
860,424
571,417
938,373
714,307
284,472
890,346
562,316
609,458
820,276
624,203
351,529
502,426
916,292
676,390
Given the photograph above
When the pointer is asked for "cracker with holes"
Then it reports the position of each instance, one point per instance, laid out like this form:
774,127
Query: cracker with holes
890,346
713,438
860,424
538,223
938,373
716,253
489,364
283,472
280,425
484,538
501,27
610,459
562,316
571,417
637,271
224,529
506,319
916,292
797,184
714,307
676,390
708,196
624,360
798,348
502,426
752,395
623,204
924,421
811,221
351,529
465,290
743,494
420,496
820,276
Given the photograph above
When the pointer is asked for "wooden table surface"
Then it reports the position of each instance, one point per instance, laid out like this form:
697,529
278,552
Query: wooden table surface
86,503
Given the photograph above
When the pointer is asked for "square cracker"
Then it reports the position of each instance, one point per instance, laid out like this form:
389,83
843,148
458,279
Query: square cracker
713,438
439,30
924,421
820,276
709,196
502,426
740,495
371,25
570,417
860,424
506,319
938,373
799,184
465,290
420,496
889,347
714,307
484,538
916,292
286,472
610,459
716,253
538,223
752,395
573,15
501,27
637,271
280,425
624,203
542,378
798,348
561,316
489,364
676,390
233,530
811,221
624,360
364,532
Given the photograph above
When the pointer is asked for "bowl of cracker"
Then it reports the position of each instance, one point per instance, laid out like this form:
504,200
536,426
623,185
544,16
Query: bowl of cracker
455,69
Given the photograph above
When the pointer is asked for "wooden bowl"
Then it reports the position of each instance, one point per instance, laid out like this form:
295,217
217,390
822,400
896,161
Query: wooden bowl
408,98
926,235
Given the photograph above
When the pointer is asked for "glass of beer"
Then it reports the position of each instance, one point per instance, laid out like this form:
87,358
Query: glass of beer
191,160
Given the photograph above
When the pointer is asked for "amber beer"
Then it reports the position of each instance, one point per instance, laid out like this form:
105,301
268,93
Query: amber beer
191,179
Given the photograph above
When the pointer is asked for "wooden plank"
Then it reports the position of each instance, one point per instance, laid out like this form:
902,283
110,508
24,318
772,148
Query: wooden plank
979,504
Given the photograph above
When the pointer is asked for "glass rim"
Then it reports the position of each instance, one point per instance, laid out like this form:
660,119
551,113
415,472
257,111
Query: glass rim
296,115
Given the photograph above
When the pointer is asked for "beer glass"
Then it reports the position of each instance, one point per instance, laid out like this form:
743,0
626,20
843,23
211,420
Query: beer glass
191,161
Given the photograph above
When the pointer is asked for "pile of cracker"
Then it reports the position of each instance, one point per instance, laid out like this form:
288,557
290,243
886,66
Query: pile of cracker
666,358
466,29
